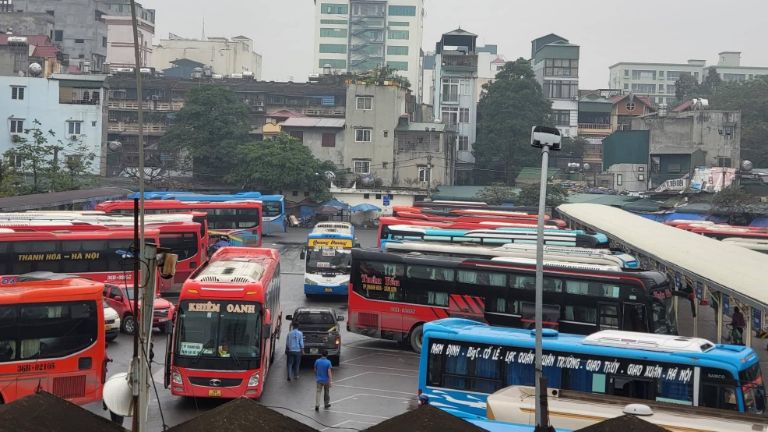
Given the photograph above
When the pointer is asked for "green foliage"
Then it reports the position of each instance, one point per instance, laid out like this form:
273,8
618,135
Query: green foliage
53,164
497,194
711,83
751,98
529,195
279,165
381,74
686,87
511,105
209,130
734,202
574,146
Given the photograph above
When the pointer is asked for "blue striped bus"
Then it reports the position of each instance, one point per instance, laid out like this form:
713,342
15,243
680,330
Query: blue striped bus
463,361
328,258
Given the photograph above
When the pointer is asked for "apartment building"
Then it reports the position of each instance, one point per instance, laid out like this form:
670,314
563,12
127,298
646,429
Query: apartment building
360,35
555,63
227,57
120,47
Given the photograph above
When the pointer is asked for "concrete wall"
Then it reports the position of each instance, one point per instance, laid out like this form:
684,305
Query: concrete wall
388,106
27,23
413,152
227,57
41,102
634,177
313,139
120,50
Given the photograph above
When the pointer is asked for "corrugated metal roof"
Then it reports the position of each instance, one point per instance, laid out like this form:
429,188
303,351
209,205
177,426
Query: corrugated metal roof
314,122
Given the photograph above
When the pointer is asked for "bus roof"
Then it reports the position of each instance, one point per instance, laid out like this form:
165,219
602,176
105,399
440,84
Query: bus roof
48,290
193,196
608,343
237,264
77,235
333,229
177,205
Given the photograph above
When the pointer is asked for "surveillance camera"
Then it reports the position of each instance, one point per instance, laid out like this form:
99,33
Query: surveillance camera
544,136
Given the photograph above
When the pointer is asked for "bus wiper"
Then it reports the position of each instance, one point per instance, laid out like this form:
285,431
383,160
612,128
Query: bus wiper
200,354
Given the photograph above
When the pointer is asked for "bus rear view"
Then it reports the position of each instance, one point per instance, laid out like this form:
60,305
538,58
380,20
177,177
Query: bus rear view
328,258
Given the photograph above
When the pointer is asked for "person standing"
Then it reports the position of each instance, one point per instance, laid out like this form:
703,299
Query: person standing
324,378
738,322
294,346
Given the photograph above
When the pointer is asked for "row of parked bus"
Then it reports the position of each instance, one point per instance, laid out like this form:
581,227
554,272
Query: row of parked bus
457,284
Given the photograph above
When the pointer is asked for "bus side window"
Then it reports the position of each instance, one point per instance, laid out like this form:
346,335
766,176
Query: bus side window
718,396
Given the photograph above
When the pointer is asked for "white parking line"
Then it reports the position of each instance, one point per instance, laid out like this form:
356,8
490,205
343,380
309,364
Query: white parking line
356,414
376,373
345,422
367,394
407,353
381,367
374,389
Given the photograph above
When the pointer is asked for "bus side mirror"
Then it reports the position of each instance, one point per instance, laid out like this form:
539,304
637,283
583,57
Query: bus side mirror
118,298
289,317
303,254
340,318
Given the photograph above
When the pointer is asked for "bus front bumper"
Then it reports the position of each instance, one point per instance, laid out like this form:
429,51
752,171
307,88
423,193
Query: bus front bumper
223,386
311,289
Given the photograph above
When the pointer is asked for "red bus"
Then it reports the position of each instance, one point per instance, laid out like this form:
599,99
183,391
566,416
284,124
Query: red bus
474,216
240,220
183,238
227,325
52,339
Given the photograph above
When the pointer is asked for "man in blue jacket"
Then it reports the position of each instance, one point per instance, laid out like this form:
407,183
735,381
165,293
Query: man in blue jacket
324,377
294,346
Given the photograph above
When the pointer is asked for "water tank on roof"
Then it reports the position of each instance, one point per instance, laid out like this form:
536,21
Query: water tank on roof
17,40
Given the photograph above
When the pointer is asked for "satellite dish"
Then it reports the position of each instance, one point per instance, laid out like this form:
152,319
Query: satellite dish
35,69
117,394
746,165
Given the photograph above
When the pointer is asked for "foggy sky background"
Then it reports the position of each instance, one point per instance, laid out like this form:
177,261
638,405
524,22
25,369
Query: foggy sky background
608,31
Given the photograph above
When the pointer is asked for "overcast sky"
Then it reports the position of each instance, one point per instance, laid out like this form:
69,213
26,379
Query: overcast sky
608,31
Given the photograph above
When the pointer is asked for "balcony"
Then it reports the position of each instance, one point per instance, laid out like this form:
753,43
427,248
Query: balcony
460,63
147,105
594,129
133,128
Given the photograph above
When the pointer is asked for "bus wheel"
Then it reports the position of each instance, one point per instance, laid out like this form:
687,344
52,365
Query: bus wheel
272,351
129,324
415,338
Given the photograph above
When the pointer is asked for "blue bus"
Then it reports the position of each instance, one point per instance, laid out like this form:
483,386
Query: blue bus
273,206
328,258
463,361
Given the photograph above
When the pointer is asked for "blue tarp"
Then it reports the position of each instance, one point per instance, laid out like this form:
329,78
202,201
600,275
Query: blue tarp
335,204
365,208
760,222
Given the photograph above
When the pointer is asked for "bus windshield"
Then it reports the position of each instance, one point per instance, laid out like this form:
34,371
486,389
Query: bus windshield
329,260
664,318
41,331
219,329
271,208
753,389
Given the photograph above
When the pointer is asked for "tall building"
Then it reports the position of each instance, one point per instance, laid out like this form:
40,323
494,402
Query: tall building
120,47
360,35
226,57
489,63
657,80
455,94
80,30
555,62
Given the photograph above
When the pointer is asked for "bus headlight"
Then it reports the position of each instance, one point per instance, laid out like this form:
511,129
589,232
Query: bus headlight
308,281
253,381
176,378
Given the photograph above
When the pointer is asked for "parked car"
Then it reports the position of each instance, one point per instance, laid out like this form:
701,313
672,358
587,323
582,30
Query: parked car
320,326
111,322
121,299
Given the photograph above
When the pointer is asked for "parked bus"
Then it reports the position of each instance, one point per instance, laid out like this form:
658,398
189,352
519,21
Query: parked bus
328,258
227,325
449,205
473,216
240,221
52,339
273,206
491,237
392,295
187,239
571,254
464,361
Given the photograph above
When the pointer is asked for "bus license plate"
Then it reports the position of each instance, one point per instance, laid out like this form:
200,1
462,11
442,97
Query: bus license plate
214,393
329,290
313,350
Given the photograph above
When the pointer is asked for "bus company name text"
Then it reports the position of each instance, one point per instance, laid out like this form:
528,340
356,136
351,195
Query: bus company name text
332,243
55,256
36,367
499,353
216,307
375,283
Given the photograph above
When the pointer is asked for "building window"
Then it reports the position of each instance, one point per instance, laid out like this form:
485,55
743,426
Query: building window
367,196
363,135
398,65
333,49
641,177
51,12
74,127
671,89
334,63
661,88
646,89
661,75
450,116
619,179
626,73
724,162
333,21
626,86
298,135
463,143
79,41
463,115
645,75
399,24
673,75
398,34
17,93
333,32
450,90
329,140
630,106
58,35
402,10
365,103
641,169
561,117
425,173
104,41
361,166
334,8
674,168
397,50
561,67
557,89
17,126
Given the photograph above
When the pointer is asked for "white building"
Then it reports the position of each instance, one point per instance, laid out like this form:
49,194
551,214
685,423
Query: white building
72,106
657,80
489,63
555,63
120,48
226,56
357,36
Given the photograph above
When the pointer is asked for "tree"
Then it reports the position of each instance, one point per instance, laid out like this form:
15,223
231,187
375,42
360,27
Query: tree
278,165
209,128
574,147
711,83
510,106
529,195
686,87
735,203
751,98
497,194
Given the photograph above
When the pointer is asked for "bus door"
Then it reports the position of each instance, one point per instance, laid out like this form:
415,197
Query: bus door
634,317
608,316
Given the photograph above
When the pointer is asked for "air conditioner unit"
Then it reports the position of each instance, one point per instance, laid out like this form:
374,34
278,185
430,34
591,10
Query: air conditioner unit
74,137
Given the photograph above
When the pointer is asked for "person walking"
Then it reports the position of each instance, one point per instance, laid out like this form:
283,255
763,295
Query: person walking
294,346
324,378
